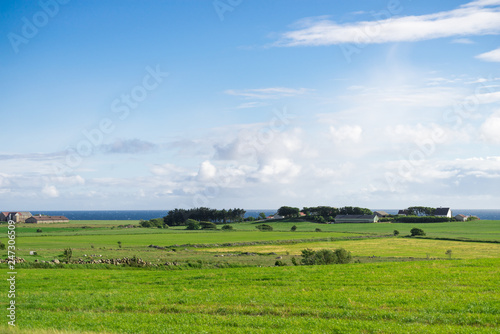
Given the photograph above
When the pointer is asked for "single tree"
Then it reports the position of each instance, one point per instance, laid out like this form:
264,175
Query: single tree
396,233
294,228
119,244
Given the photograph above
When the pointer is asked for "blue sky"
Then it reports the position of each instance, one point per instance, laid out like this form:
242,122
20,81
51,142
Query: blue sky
253,104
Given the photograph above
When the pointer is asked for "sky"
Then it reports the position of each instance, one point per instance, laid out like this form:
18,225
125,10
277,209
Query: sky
129,105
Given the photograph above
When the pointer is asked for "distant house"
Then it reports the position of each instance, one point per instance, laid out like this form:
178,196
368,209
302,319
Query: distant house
47,219
381,214
443,212
276,216
342,219
18,217
461,218
403,213
302,214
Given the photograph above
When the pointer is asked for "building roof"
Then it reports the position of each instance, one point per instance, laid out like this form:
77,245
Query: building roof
441,211
50,218
402,212
382,213
460,215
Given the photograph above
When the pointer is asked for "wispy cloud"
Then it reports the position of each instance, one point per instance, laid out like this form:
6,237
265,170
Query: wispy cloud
128,146
462,41
493,56
268,93
475,18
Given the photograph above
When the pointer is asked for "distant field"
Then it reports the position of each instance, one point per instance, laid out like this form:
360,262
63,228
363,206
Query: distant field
393,247
417,297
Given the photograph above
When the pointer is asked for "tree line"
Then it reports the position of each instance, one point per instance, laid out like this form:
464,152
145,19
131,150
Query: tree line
179,217
327,212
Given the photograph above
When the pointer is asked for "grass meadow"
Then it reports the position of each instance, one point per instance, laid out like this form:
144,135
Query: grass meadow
226,281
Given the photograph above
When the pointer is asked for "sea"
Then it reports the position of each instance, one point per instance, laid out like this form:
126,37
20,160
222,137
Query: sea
484,214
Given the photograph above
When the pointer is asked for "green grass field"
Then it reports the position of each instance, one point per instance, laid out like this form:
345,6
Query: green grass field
401,285
419,297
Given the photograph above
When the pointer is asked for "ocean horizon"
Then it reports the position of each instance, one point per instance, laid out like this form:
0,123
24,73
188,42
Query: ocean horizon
484,214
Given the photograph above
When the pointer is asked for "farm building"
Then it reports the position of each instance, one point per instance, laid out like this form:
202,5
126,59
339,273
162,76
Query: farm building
340,219
47,219
381,214
461,218
18,217
443,212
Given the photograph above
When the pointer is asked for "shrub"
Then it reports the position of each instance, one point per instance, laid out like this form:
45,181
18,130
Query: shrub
294,261
192,224
67,254
317,230
294,228
396,233
119,244
227,227
325,256
38,230
208,226
279,263
264,227
416,232
2,245
343,256
423,219
449,252
155,222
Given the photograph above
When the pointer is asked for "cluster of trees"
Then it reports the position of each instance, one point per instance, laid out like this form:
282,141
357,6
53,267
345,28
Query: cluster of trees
288,211
179,217
329,213
420,211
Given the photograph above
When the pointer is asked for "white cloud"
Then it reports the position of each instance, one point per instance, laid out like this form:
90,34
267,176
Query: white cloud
268,93
474,18
462,41
279,171
493,56
346,133
207,171
50,191
490,130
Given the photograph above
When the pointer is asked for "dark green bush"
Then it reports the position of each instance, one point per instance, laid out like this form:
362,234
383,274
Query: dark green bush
416,232
227,227
208,226
325,256
423,219
264,227
396,233
192,224
294,228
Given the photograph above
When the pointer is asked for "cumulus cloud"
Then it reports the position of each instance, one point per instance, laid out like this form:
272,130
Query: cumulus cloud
490,130
474,18
50,191
207,171
493,56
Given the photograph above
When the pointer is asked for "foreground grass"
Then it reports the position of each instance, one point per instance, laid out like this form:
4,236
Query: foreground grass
457,296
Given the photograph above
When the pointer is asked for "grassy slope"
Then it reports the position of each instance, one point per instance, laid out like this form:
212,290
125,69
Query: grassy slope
419,297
